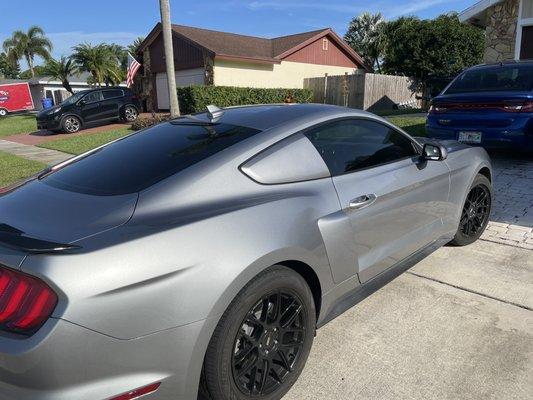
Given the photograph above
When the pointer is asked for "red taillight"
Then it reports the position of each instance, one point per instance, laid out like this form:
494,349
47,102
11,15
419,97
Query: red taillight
136,393
25,302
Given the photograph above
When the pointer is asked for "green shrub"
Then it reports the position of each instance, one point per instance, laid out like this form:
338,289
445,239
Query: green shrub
196,98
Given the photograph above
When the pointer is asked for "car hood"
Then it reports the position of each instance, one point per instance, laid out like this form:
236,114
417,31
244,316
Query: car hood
48,111
47,213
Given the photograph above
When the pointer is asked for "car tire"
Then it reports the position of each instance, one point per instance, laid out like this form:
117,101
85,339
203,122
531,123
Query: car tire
253,334
130,114
71,124
3,112
475,212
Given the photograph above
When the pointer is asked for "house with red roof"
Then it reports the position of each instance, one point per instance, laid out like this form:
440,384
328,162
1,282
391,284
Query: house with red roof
207,57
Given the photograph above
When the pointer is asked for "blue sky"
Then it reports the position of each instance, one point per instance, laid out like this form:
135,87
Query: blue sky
71,22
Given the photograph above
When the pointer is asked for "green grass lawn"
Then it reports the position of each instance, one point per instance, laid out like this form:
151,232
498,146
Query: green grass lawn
415,126
81,144
388,113
13,124
14,168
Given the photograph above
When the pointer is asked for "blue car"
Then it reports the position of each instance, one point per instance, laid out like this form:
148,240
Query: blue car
486,105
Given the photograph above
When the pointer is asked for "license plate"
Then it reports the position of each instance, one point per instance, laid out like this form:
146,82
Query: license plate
470,137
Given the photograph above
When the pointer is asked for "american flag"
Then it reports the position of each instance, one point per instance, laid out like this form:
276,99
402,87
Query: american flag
133,66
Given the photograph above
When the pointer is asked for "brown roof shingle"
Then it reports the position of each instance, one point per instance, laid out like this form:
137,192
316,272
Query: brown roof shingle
232,44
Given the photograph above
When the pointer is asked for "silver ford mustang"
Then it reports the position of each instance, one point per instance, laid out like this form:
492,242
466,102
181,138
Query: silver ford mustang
198,257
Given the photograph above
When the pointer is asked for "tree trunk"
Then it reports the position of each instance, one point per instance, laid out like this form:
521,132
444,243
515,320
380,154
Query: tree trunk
66,85
29,59
164,6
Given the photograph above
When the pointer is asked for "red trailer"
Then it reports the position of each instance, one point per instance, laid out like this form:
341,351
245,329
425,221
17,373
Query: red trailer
15,97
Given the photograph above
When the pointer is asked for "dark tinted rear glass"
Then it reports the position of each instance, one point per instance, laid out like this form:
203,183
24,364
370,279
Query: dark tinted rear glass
110,94
506,78
140,160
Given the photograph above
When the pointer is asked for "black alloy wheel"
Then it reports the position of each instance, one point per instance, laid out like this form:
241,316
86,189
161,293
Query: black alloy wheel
268,344
475,211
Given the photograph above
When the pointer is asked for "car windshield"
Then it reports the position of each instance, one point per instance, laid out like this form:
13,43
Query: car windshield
74,98
499,78
140,160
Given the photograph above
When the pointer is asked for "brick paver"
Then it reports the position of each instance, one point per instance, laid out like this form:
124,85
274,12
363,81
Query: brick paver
511,219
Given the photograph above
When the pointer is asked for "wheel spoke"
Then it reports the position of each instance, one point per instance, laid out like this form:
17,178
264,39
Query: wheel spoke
264,375
292,318
284,360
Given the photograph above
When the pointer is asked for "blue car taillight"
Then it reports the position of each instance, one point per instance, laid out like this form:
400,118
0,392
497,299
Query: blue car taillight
25,302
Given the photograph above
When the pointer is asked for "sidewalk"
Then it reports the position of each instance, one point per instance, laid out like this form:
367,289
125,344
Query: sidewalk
34,153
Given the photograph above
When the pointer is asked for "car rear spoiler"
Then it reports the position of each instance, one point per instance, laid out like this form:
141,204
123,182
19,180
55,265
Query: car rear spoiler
16,239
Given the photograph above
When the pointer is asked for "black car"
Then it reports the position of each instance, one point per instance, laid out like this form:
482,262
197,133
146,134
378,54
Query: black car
89,107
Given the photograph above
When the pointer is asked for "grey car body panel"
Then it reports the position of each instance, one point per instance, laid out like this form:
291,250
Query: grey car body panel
139,301
291,160
45,212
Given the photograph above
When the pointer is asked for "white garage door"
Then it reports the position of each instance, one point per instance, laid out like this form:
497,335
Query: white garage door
186,77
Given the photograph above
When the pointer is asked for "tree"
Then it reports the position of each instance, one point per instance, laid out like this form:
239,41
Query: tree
38,70
61,70
164,6
9,68
364,36
430,50
99,61
27,45
134,47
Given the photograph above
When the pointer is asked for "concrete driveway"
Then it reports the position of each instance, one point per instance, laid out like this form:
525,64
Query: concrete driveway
458,325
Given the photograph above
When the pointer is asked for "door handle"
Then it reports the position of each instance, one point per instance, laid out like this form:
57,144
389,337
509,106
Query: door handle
362,201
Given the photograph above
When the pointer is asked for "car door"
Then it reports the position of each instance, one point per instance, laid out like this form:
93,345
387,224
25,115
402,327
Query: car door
395,200
90,106
111,103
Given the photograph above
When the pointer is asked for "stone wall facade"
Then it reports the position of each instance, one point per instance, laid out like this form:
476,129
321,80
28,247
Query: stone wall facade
500,33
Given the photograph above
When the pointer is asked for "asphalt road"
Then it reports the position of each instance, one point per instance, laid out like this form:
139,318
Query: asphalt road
458,325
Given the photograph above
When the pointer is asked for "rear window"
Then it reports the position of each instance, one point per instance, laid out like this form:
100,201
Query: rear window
110,94
515,78
143,159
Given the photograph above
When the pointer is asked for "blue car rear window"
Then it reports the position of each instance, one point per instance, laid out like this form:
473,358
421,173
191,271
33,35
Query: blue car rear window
494,79
145,158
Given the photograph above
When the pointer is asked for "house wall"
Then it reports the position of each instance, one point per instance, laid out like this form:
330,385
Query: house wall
500,31
316,53
186,55
288,74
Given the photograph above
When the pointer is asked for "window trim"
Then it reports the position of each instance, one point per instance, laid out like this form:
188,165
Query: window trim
325,44
417,147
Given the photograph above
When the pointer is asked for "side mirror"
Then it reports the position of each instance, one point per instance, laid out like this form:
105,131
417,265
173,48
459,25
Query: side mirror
82,102
434,152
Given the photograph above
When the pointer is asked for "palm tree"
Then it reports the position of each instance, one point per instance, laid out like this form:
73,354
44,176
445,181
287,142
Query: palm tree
164,7
99,61
364,36
61,70
9,68
134,47
28,45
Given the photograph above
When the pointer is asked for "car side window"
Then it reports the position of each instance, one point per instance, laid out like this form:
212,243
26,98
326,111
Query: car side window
111,94
353,144
92,97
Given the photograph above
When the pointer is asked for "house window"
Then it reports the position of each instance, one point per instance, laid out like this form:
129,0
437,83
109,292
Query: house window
325,44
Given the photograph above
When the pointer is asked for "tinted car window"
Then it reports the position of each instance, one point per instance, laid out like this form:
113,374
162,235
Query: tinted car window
92,97
507,78
110,94
350,145
142,159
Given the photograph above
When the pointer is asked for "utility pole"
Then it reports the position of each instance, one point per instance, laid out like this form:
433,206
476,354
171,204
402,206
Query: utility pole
164,5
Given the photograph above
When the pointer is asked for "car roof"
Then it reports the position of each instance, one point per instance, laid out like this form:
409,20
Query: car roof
505,64
267,116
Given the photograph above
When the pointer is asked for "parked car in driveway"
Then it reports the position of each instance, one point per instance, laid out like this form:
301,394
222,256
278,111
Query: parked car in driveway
89,107
205,251
487,105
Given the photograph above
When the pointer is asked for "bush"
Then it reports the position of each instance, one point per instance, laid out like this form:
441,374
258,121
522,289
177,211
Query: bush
196,98
145,122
